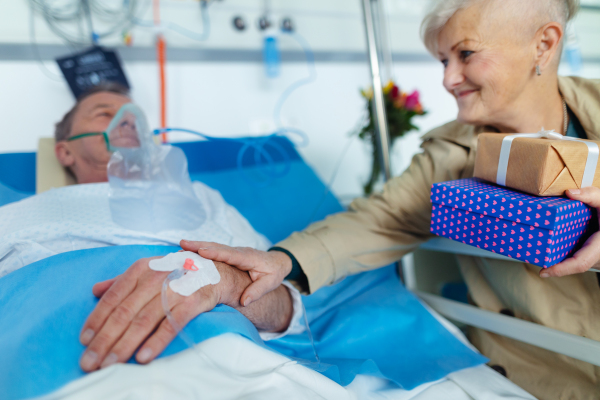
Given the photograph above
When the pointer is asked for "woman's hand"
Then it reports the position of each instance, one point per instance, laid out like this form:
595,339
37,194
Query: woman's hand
267,269
589,255
130,313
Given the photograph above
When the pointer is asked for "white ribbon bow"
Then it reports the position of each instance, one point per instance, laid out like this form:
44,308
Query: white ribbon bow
590,164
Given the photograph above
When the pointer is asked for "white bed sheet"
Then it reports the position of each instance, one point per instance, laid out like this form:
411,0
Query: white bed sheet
232,367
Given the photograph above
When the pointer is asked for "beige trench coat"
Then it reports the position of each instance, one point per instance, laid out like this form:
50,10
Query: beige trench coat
381,229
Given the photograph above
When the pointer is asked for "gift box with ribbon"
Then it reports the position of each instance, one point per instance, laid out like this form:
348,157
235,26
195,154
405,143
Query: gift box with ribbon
543,164
537,230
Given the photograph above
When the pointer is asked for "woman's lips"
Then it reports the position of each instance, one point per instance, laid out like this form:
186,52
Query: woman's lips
464,93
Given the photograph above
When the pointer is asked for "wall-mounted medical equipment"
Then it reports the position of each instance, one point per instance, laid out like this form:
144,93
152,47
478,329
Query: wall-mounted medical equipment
239,23
67,19
271,56
90,68
287,25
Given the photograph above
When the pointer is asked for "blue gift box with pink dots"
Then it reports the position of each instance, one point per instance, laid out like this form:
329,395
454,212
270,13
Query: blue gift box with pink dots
538,230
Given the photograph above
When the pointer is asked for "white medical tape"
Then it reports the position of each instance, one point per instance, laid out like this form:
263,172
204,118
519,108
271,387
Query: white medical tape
590,165
200,272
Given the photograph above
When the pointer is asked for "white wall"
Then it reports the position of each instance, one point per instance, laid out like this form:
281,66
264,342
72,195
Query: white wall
229,99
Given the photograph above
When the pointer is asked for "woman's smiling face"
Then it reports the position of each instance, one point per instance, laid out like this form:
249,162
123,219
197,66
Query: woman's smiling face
488,64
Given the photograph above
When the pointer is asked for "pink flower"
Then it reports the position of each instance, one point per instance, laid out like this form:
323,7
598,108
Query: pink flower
412,101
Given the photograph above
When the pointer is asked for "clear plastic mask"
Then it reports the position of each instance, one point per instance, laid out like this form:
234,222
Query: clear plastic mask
150,187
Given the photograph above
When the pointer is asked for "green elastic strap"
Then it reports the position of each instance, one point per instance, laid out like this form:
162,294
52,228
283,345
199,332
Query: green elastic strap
82,135
296,274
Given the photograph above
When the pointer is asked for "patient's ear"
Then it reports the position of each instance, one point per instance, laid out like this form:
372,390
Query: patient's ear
64,154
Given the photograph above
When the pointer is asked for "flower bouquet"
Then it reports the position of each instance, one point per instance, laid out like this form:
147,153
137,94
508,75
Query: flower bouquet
400,108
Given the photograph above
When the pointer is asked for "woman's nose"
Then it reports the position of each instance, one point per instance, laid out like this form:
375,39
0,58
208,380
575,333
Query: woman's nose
453,76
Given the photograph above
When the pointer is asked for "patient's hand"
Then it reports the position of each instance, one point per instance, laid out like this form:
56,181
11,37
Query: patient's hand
130,313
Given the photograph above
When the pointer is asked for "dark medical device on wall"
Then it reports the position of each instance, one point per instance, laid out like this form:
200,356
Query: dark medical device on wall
90,68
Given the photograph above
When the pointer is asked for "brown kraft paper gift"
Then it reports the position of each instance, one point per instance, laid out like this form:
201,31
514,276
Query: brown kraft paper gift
538,166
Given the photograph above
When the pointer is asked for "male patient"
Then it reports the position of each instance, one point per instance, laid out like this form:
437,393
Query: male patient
87,157
129,312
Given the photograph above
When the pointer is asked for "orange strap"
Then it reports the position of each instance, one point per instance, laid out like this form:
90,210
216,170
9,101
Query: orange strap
161,55
161,46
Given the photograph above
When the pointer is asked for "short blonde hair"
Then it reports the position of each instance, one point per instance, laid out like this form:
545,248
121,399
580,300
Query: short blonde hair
561,11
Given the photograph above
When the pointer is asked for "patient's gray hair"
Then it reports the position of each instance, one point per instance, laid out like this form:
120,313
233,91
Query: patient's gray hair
561,11
63,127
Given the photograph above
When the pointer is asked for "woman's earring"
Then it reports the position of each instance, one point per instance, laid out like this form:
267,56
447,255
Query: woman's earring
537,70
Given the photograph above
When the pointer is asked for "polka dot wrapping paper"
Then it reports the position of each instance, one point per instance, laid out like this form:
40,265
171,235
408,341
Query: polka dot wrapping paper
537,230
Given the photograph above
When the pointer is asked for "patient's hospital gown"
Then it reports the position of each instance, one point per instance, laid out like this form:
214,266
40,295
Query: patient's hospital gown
78,217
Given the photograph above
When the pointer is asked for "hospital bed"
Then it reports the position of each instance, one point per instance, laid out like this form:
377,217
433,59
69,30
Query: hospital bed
275,209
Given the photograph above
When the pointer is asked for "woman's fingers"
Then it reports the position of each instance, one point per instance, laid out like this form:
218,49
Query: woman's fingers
588,195
581,261
218,252
191,245
101,287
589,254
267,269
241,257
259,288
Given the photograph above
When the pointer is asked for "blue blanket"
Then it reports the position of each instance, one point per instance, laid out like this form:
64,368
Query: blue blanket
367,324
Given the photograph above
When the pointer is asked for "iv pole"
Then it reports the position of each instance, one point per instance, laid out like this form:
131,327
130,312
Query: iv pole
381,128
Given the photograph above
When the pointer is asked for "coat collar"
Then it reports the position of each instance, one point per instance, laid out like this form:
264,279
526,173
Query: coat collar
583,98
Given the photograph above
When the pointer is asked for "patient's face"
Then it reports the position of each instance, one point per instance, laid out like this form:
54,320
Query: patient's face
90,154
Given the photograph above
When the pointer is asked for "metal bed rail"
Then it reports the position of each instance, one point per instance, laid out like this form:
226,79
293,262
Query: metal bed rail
574,346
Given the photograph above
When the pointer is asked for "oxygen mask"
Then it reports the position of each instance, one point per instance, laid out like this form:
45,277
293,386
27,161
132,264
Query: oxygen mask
150,187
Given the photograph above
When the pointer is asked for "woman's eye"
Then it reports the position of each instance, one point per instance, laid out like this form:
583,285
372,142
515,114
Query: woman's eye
465,54
445,63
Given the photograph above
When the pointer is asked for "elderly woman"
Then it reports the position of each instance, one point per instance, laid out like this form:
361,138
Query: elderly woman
501,60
